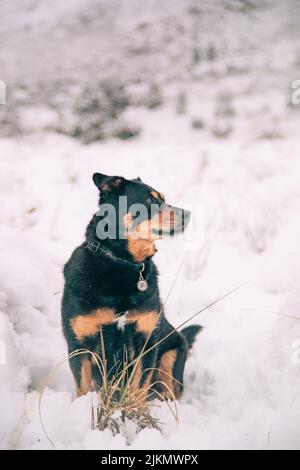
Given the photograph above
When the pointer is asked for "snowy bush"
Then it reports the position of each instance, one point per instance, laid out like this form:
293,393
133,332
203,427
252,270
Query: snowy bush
96,109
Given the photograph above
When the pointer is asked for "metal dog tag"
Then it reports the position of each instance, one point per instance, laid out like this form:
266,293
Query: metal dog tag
142,284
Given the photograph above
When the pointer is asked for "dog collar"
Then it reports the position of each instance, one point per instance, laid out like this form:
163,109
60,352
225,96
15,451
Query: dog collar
96,248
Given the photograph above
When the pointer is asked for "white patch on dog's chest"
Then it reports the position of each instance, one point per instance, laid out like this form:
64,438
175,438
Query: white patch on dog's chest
122,321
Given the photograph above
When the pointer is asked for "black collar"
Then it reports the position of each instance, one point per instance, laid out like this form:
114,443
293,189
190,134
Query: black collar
96,248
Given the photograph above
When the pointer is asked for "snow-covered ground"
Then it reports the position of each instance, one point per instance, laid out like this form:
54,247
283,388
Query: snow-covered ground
233,149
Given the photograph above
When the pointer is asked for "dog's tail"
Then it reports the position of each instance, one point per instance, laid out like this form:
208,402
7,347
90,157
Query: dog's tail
190,333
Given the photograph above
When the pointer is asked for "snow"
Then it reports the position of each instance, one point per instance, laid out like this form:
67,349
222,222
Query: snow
242,379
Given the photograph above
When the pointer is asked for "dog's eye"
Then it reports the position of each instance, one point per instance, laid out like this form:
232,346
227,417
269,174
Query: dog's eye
149,200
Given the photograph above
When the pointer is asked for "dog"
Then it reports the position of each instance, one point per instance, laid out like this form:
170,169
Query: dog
111,307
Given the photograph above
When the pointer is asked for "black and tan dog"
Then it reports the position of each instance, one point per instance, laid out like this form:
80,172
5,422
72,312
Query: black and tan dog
111,285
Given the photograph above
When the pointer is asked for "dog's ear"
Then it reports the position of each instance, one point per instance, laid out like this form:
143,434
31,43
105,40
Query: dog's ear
99,179
108,183
138,179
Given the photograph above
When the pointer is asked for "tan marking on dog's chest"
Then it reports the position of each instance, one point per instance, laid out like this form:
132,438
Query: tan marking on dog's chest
146,322
84,326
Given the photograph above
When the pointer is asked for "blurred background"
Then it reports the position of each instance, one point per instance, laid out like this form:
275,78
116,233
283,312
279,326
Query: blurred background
196,98
91,69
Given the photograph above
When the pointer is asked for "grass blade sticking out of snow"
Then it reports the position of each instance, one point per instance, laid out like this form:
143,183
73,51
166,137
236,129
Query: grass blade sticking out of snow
219,299
132,403
279,314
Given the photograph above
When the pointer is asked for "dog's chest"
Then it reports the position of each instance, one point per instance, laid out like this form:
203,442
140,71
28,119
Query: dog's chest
113,325
122,321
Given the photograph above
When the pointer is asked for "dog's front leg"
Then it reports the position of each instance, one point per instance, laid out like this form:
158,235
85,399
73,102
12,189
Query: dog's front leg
145,351
81,367
84,332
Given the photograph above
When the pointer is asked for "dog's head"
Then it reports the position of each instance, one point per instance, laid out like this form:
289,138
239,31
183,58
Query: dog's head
142,213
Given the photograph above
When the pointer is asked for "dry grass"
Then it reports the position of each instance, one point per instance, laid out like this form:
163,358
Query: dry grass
119,399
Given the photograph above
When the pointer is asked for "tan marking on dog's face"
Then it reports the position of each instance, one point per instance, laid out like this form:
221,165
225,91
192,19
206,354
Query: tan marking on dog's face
146,322
143,231
167,362
141,249
157,195
127,220
154,194
85,385
150,229
84,326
